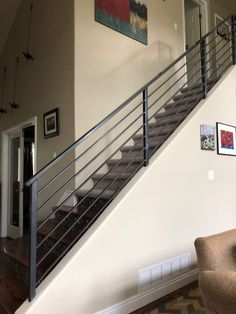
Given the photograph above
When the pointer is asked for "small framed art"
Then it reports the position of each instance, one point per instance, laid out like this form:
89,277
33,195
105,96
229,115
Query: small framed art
51,123
226,139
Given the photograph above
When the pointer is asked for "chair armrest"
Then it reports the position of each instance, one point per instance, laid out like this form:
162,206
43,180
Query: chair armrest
219,291
217,252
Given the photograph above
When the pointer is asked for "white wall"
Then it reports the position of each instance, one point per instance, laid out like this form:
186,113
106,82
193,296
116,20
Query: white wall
156,217
110,67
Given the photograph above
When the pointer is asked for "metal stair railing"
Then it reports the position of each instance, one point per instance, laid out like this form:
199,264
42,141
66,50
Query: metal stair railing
127,129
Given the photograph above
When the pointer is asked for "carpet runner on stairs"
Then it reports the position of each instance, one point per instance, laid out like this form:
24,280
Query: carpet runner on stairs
67,224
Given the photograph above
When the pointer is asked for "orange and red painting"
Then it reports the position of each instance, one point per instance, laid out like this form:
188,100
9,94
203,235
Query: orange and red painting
128,17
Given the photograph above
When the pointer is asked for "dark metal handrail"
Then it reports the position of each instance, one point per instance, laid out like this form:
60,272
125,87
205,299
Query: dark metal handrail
118,109
197,68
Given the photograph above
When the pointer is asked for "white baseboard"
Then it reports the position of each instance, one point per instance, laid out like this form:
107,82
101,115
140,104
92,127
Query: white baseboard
149,296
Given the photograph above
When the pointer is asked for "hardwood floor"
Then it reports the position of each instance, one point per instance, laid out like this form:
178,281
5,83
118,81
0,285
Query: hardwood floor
12,292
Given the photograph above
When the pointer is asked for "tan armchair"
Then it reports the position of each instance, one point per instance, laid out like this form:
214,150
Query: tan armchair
216,256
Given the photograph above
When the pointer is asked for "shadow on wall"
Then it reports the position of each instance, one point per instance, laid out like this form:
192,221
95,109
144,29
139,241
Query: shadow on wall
155,59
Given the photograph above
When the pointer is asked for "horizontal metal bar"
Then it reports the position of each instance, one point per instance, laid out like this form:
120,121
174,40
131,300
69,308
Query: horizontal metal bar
113,113
74,224
175,94
215,59
215,35
81,201
215,47
185,64
187,102
180,78
221,65
90,147
88,178
76,239
89,163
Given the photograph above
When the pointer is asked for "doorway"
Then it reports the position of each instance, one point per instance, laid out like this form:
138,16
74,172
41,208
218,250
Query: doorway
195,12
18,165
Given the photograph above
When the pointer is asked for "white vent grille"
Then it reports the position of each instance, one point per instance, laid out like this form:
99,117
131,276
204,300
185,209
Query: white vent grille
158,274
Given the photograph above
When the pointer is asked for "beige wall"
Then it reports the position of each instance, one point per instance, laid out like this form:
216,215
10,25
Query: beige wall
156,218
47,82
110,67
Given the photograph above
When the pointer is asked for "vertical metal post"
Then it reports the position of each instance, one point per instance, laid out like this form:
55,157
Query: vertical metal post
145,128
203,66
233,40
33,240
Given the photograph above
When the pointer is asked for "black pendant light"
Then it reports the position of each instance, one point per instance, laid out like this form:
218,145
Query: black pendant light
26,53
13,104
2,110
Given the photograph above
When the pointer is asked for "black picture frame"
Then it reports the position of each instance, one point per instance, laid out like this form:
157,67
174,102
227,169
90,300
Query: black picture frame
226,139
51,123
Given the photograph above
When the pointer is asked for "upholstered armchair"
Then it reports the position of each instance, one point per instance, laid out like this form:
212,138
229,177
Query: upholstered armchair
216,256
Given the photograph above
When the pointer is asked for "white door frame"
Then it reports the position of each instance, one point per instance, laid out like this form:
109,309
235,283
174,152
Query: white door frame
205,20
205,24
4,169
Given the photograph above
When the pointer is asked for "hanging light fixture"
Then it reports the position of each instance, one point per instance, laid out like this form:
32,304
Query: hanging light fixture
26,53
13,104
2,110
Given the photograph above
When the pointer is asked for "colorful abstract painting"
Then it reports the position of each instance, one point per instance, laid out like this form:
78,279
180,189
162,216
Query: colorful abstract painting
226,139
128,17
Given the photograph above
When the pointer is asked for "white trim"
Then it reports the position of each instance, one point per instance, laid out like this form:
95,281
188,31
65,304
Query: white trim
152,295
220,18
204,6
4,169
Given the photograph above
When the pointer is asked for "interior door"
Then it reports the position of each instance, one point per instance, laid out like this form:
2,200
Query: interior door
223,45
193,34
15,185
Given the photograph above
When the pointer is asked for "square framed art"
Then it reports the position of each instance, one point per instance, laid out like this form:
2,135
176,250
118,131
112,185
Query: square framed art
51,123
226,139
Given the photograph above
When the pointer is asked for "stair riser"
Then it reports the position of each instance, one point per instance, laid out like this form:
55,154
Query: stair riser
121,167
137,153
179,109
187,95
114,186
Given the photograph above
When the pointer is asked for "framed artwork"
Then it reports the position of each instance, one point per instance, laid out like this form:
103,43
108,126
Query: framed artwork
128,17
226,139
207,134
51,123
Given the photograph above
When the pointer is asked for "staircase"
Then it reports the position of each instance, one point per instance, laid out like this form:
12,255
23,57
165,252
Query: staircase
99,164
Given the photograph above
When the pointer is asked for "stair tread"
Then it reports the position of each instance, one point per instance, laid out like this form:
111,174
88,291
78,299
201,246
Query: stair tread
19,250
112,175
56,235
152,145
12,292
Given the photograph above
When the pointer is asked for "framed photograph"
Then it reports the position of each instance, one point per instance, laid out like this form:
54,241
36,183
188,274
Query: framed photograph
51,123
128,17
207,133
226,139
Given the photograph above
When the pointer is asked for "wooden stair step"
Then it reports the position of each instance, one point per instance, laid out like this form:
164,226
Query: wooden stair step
58,233
106,195
188,94
12,292
18,250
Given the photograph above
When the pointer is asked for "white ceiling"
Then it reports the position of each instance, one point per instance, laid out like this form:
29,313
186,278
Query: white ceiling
8,9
